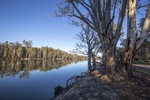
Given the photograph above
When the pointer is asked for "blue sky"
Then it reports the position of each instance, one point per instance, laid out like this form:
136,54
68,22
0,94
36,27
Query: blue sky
34,20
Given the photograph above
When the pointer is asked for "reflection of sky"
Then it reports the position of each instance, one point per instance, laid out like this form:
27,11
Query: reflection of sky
39,85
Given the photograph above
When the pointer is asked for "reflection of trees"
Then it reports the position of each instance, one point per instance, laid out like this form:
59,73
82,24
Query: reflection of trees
23,67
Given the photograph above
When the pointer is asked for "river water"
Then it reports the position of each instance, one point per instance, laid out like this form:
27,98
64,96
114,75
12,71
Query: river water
27,80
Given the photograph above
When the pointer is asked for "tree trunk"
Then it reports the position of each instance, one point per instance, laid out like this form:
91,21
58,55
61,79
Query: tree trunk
89,57
110,61
94,61
131,37
128,59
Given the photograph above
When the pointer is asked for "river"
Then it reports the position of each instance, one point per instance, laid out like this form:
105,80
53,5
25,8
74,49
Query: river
35,81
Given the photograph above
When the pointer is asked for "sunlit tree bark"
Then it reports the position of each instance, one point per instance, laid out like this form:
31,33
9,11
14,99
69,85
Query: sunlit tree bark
132,43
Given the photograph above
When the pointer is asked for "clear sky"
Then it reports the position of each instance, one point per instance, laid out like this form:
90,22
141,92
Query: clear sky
34,20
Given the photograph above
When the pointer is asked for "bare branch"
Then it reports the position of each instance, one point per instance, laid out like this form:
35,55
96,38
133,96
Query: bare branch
109,24
84,18
142,6
89,11
120,21
86,3
145,29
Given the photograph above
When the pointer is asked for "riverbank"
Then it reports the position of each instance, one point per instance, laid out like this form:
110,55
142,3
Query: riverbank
97,86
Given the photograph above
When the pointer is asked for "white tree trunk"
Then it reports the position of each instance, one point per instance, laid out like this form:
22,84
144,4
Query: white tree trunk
132,45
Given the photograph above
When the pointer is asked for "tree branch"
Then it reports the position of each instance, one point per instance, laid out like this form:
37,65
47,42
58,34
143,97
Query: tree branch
142,6
84,19
145,29
86,3
120,21
109,24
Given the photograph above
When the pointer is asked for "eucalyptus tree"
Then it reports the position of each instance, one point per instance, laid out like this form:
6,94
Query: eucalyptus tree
39,53
19,49
19,52
133,43
50,53
6,49
100,16
88,45
45,53
27,43
12,50
1,50
34,53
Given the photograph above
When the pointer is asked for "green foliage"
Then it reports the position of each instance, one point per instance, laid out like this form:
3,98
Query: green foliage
17,51
143,53
27,43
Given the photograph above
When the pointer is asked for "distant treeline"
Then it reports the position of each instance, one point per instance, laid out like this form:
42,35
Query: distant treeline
17,50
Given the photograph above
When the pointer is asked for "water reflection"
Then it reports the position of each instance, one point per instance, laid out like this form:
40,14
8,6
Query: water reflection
37,78
22,68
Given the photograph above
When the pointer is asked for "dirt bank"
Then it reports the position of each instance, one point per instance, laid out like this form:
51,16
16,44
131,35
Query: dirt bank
97,86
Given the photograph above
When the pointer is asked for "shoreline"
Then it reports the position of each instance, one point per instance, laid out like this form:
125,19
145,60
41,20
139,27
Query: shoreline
96,85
